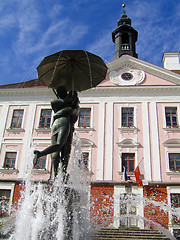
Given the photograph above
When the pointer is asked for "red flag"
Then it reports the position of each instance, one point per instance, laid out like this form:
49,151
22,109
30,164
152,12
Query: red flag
140,174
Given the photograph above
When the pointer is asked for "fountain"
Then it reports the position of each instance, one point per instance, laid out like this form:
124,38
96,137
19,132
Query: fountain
55,210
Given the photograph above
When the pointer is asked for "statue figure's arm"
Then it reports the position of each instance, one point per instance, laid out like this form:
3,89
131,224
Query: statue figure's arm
63,113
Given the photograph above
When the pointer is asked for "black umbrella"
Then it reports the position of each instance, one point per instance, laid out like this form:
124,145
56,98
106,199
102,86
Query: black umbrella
77,70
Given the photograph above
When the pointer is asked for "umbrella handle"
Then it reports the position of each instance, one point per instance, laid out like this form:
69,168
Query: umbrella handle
55,93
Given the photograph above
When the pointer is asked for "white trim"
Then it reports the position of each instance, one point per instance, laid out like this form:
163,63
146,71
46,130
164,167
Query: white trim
4,154
171,190
27,139
89,150
101,133
8,186
11,112
91,117
109,145
130,105
155,143
3,120
167,160
164,114
146,140
128,150
39,108
87,145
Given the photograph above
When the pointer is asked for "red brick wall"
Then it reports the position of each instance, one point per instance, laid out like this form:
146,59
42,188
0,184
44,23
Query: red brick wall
17,194
102,205
152,212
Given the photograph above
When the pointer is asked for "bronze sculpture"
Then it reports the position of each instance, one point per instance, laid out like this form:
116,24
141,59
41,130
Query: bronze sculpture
66,111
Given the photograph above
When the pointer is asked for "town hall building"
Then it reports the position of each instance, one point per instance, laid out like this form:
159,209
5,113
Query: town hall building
130,118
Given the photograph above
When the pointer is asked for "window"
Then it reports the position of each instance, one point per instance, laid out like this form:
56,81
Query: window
175,203
17,119
174,161
10,160
84,117
41,163
128,160
171,116
127,117
83,163
4,202
45,118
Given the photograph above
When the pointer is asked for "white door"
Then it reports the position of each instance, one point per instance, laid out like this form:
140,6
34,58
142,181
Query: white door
128,210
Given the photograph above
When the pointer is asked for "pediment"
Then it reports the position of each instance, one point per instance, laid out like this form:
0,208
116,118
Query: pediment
128,143
86,142
172,143
130,71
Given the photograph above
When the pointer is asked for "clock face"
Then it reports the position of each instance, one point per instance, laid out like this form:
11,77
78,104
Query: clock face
126,76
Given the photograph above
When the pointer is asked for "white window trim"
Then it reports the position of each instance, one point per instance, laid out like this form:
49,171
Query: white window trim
8,186
89,150
91,118
11,116
171,190
39,109
167,160
127,151
135,115
46,166
164,114
4,154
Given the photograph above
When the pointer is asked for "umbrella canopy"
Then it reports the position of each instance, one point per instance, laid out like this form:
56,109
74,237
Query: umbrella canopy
75,69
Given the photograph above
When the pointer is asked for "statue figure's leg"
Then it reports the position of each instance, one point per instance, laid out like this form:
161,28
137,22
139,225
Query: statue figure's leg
66,150
55,160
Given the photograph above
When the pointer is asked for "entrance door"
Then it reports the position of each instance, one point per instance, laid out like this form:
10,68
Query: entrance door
128,210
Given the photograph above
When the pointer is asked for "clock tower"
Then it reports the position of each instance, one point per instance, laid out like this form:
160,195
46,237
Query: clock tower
124,37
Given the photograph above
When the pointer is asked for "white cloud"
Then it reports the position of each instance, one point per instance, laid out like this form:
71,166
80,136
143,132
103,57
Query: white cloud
103,46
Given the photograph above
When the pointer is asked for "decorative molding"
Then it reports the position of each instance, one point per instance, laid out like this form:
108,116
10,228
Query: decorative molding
174,143
145,66
15,130
43,129
128,129
126,143
9,171
135,76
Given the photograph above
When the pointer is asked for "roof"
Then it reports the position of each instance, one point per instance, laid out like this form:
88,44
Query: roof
26,84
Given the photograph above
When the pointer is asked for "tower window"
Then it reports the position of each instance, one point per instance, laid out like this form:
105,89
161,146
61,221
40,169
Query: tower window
125,38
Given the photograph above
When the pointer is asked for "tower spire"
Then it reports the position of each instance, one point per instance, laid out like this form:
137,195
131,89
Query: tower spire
124,5
124,36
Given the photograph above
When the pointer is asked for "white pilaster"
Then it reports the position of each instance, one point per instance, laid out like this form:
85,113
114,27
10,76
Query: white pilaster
146,140
155,143
3,119
27,139
109,142
101,132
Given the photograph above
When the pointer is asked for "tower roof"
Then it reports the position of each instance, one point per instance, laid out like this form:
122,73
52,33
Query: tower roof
124,36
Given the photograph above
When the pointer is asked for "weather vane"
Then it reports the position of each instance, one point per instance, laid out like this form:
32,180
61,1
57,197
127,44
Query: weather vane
124,5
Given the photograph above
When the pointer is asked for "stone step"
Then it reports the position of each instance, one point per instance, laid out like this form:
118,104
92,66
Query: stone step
128,238
128,233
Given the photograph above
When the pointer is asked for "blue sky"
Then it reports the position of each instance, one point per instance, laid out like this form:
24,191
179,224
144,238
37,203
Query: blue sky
33,29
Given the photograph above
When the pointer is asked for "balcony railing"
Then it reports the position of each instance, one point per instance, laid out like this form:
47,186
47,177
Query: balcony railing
125,46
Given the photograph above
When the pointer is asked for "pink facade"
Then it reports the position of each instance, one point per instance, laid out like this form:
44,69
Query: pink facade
127,120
